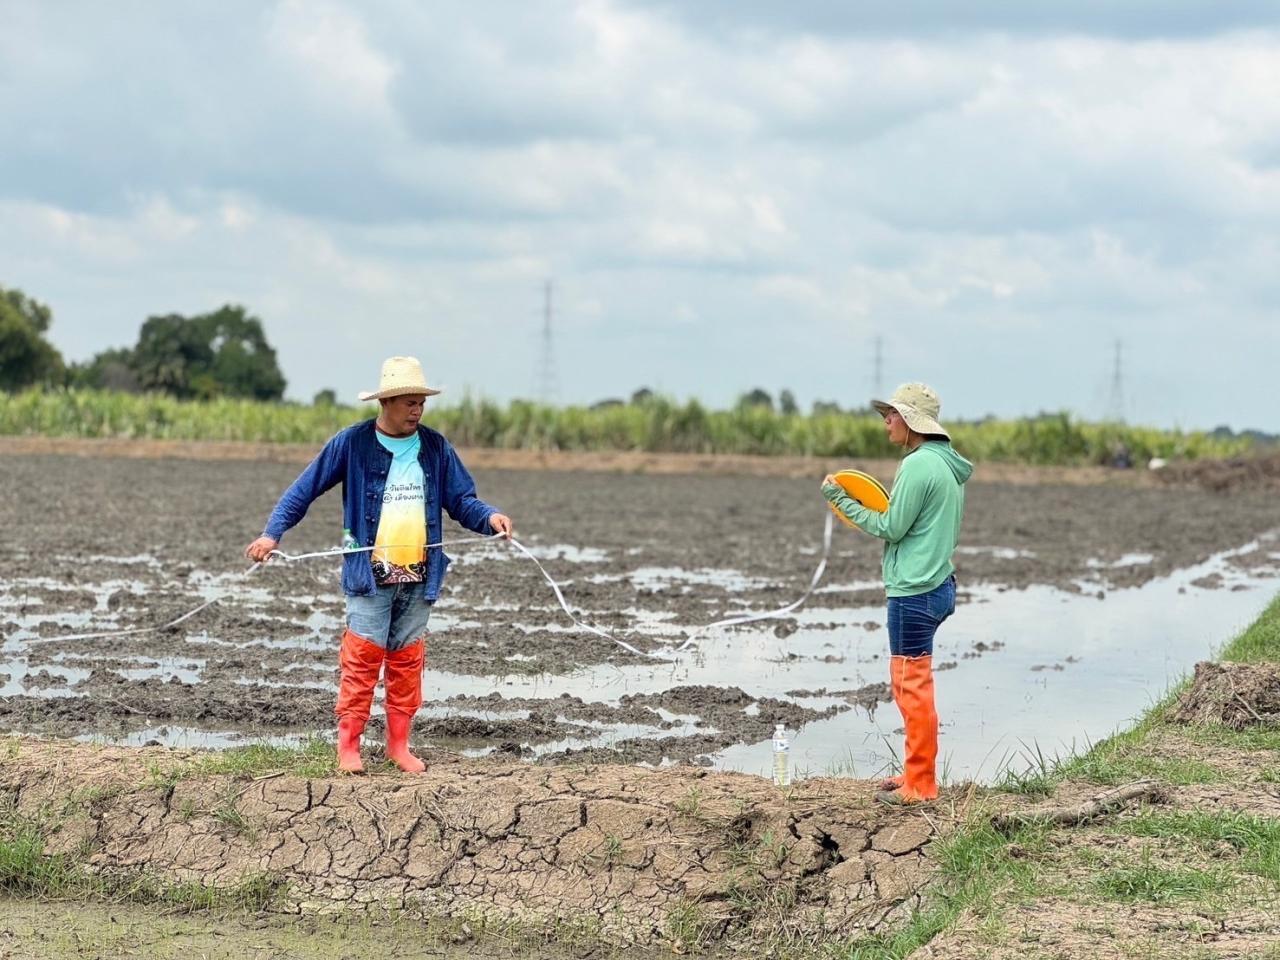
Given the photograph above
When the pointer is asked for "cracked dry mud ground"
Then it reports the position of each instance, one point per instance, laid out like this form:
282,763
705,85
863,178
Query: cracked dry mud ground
631,854
114,543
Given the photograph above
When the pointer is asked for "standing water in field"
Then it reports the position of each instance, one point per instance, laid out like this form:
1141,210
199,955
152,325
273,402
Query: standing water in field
1032,660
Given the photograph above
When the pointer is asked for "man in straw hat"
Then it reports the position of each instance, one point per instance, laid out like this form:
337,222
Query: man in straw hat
396,476
921,529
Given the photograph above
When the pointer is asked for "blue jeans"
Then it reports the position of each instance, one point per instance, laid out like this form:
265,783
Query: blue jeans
914,620
392,618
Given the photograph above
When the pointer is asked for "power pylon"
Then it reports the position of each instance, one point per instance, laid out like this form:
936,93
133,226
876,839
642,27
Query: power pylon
1115,407
548,383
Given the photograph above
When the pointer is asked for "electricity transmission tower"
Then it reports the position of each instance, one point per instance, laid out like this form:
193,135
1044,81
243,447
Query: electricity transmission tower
1115,407
548,385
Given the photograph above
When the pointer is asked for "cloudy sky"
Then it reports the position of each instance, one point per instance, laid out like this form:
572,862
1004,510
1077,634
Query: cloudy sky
726,194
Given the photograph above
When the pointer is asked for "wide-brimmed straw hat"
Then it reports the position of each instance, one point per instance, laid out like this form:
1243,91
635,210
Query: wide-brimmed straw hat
400,376
919,406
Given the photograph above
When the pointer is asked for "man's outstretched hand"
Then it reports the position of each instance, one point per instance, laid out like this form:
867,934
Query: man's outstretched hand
260,549
501,523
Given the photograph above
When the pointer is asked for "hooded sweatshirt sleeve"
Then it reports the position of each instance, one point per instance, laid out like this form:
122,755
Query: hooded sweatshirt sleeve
904,505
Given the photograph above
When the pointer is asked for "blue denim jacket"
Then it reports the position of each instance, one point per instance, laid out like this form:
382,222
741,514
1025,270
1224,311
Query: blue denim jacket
355,459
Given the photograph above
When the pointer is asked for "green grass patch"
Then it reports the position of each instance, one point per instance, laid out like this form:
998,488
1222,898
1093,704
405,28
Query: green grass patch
1260,642
1261,739
1255,839
313,758
1157,883
977,863
1111,767
1118,759
27,870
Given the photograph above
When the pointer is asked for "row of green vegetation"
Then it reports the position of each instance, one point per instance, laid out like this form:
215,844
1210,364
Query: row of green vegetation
214,376
648,423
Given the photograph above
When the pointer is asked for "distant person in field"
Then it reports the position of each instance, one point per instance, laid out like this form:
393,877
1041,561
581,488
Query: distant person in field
921,529
396,476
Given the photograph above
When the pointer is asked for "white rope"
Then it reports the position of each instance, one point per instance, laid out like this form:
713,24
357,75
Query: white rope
569,613
288,558
339,551
125,633
781,611
728,622
564,605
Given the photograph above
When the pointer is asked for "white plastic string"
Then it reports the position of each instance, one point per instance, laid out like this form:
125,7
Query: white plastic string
124,633
339,551
288,558
781,611
564,605
569,613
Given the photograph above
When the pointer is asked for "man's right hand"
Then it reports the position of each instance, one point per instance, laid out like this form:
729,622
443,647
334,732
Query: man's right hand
260,549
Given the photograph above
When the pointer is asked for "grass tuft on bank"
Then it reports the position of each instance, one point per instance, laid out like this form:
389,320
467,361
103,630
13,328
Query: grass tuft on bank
28,869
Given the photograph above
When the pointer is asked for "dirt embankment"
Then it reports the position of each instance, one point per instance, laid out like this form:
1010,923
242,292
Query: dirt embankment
635,855
1235,695
1225,476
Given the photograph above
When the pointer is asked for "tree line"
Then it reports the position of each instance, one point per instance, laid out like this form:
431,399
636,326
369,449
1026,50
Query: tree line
224,353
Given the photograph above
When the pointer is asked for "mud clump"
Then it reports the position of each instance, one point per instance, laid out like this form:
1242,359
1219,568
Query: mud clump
532,730
1225,476
726,710
1236,695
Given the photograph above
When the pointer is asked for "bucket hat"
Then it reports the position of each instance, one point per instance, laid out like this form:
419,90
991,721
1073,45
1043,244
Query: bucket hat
919,406
400,376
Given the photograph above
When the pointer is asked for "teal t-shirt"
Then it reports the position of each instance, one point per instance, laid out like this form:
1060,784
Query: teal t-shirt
401,540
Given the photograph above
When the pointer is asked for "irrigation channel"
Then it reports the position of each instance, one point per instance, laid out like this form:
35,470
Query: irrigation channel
1079,605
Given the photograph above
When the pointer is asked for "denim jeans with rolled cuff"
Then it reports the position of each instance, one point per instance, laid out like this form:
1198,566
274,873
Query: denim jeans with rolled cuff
394,617
913,621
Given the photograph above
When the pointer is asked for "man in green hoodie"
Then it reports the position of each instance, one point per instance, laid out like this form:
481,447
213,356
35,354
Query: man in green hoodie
920,529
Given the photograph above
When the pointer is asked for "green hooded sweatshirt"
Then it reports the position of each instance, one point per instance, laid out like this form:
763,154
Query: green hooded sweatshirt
922,525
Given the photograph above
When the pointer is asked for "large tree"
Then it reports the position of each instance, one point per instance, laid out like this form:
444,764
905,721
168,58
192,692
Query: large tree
26,357
224,353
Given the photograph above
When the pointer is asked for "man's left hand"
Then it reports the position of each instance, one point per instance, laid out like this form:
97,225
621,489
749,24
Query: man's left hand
501,523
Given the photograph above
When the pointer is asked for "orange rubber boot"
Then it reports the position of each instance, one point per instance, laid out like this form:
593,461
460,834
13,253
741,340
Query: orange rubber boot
403,684
895,684
919,780
360,660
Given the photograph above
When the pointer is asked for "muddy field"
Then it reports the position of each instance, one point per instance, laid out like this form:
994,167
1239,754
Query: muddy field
111,544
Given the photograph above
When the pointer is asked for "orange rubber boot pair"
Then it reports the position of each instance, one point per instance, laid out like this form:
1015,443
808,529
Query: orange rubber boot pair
403,684
360,661
913,685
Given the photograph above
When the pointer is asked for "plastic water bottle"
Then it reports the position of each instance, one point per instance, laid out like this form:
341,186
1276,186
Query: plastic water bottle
781,747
